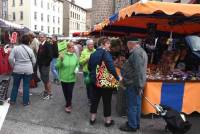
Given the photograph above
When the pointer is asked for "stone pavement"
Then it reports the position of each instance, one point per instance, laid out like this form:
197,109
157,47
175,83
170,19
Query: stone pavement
48,116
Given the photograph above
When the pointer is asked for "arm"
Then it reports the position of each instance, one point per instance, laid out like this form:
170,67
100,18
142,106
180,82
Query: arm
33,60
11,57
107,58
139,63
58,63
83,58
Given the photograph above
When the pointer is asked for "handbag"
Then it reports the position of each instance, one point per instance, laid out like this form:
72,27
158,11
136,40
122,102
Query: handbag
104,79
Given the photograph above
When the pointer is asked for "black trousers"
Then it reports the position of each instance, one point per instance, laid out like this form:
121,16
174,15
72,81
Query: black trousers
106,95
67,88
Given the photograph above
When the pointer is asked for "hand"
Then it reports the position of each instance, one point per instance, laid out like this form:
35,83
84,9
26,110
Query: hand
61,57
141,92
120,78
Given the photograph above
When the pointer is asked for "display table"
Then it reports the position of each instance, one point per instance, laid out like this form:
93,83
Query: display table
183,96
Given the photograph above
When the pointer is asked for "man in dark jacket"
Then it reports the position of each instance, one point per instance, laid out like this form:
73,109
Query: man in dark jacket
134,79
44,58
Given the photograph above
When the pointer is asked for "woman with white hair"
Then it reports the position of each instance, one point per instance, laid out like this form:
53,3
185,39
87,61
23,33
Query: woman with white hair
84,58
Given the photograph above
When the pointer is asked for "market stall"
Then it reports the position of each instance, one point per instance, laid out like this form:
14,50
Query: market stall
173,70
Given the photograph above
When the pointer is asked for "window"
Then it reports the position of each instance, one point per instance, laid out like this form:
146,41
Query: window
41,16
35,15
21,15
48,7
53,30
48,18
58,20
48,28
13,4
71,14
13,15
42,28
53,8
53,19
35,2
58,30
35,27
58,9
21,2
41,3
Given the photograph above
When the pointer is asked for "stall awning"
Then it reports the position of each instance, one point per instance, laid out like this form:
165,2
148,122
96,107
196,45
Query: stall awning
181,19
166,8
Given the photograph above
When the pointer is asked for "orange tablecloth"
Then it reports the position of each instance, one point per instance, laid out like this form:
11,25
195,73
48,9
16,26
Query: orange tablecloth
189,102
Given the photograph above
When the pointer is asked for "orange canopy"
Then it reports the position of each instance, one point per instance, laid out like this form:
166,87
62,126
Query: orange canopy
181,19
167,8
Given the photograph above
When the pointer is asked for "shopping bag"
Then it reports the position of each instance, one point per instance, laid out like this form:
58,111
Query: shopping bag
104,79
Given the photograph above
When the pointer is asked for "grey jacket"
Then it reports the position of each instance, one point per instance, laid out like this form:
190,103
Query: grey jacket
134,69
20,60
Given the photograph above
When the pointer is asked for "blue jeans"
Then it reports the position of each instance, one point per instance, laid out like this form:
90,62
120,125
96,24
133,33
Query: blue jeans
16,82
53,69
133,106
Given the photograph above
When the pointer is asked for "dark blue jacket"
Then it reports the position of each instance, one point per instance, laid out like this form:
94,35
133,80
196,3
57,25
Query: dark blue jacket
96,58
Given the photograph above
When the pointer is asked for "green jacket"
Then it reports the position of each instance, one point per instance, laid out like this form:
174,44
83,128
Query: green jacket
85,55
67,67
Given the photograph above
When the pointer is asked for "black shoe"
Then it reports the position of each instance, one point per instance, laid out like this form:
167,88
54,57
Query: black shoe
92,122
109,124
138,127
127,128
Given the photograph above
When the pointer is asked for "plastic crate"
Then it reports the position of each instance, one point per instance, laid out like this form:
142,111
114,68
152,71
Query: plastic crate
4,84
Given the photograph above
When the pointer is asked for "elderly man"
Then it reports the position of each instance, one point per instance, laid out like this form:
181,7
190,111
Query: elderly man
134,79
35,46
44,58
84,58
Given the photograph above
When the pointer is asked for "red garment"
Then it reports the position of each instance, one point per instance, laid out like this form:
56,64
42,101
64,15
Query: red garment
5,67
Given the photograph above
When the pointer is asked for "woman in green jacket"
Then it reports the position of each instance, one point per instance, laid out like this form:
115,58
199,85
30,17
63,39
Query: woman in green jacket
67,65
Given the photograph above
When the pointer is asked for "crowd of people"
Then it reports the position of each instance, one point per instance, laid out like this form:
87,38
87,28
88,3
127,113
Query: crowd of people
39,53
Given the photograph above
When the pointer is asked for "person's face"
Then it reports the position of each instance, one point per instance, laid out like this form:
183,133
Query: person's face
70,48
42,38
54,39
90,46
129,45
107,45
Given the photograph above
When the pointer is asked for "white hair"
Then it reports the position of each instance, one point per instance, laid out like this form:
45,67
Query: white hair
89,41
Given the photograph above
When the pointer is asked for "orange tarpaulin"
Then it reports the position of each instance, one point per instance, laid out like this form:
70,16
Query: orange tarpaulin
167,8
181,19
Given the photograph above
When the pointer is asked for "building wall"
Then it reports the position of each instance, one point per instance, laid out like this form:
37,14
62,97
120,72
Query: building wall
74,19
89,19
5,9
1,7
119,4
40,8
101,9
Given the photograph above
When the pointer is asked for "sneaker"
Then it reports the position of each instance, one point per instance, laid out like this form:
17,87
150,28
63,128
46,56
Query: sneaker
109,124
68,109
46,97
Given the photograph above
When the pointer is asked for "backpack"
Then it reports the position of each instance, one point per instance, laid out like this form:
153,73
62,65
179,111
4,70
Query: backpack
176,122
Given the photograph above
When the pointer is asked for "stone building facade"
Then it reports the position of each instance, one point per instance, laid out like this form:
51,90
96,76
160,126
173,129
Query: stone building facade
89,19
74,18
119,4
1,8
101,9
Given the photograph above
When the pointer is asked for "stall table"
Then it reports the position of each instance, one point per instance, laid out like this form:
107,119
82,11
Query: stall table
183,96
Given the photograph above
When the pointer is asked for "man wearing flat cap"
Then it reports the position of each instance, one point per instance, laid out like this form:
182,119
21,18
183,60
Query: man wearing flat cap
134,79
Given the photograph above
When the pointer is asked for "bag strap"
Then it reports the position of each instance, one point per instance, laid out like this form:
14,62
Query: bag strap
27,53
